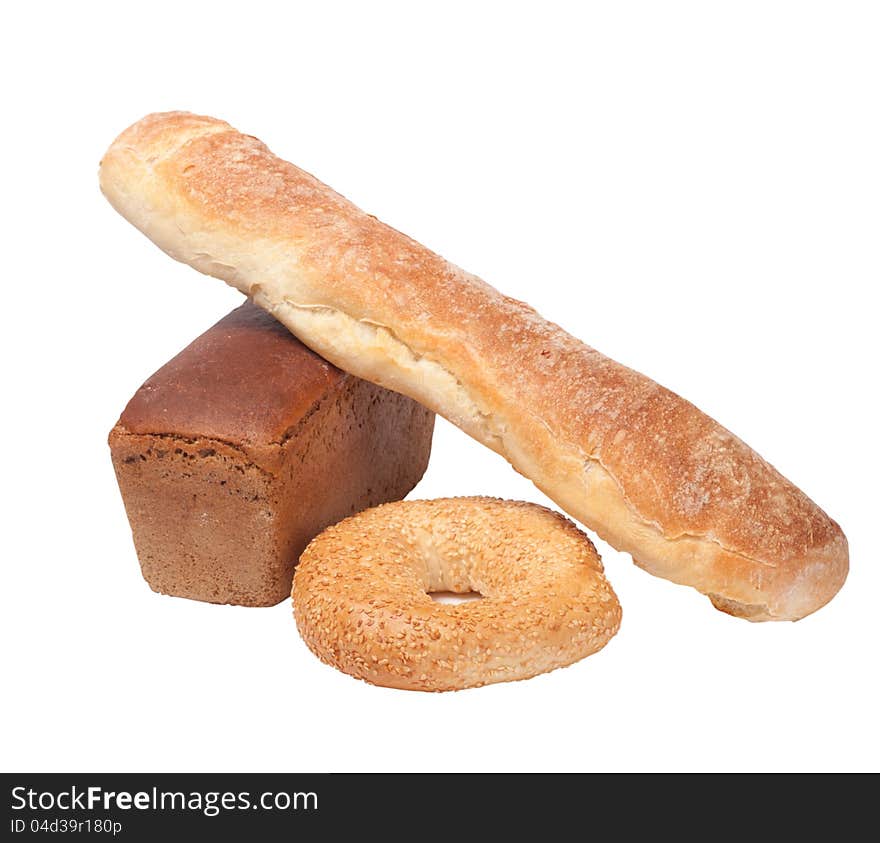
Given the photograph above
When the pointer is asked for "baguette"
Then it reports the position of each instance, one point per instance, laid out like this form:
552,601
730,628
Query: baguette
645,469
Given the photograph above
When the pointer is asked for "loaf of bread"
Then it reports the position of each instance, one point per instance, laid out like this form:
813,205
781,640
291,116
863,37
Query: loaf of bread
641,466
246,445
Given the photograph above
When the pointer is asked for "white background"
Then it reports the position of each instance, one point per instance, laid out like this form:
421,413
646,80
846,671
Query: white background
690,187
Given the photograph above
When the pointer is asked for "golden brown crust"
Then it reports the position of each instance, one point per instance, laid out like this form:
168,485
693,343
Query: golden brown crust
632,460
361,594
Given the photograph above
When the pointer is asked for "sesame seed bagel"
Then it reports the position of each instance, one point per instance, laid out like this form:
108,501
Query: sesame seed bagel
361,594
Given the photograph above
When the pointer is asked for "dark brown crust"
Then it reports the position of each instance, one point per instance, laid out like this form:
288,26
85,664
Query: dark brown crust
246,380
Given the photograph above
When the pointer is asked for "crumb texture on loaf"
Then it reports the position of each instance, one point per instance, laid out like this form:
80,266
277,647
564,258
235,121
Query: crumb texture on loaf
639,464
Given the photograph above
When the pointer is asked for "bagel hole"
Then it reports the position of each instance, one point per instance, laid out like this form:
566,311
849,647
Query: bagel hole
453,597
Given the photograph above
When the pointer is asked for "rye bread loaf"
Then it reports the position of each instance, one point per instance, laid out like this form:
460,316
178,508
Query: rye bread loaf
237,452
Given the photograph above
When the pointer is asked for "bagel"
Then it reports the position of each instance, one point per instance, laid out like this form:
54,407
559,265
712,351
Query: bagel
361,594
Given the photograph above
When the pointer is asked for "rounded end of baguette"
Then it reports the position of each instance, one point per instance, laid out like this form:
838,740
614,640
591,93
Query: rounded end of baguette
786,588
157,135
798,589
126,169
